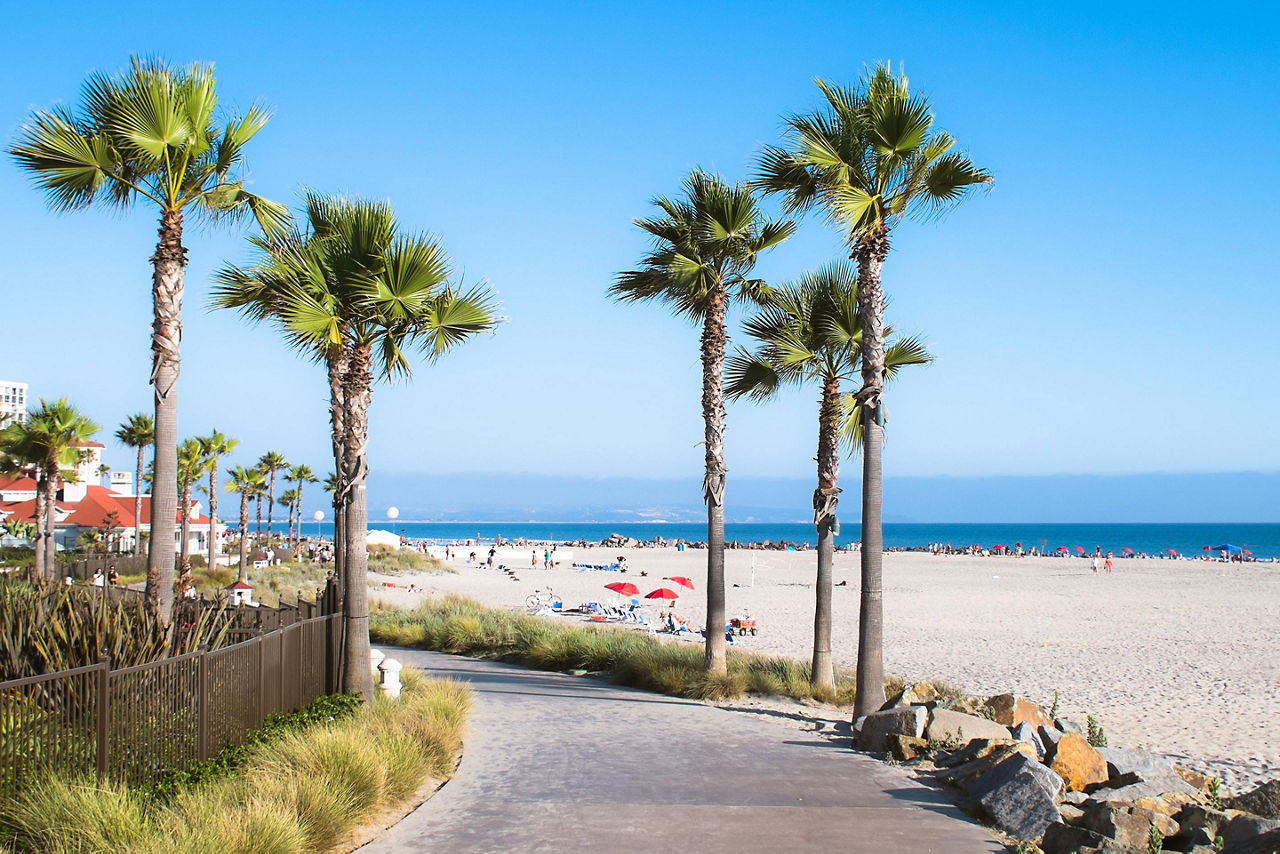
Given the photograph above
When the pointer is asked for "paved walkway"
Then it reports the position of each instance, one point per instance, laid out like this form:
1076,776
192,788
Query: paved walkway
565,764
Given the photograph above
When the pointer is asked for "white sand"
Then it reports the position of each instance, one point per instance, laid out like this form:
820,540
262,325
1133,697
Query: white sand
1179,657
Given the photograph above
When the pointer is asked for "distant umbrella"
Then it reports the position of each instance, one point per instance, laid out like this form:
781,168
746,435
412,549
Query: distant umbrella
1079,549
663,593
1063,549
1246,551
681,580
623,588
1173,552
1226,547
1127,550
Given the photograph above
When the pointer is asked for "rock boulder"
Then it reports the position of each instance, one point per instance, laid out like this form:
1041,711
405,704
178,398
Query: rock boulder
1128,825
1078,763
877,726
1263,801
1020,794
1012,710
946,725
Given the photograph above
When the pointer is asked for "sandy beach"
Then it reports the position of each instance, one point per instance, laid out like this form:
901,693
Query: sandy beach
1178,657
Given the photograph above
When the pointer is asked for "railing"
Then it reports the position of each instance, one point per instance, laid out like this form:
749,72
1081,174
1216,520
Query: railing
137,723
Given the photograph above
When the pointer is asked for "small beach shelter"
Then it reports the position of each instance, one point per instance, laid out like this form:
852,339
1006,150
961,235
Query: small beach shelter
1226,547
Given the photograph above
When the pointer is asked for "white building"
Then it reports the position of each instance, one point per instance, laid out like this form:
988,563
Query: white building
13,402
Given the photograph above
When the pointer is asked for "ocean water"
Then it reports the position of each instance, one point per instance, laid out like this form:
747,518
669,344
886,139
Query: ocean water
1186,539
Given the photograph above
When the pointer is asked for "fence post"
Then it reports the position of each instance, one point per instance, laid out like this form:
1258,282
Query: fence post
104,715
202,702
262,680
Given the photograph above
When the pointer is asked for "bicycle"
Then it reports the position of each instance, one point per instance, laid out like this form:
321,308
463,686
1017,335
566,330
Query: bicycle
539,599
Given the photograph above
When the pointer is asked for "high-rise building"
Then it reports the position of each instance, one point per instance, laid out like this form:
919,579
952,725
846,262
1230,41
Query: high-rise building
13,402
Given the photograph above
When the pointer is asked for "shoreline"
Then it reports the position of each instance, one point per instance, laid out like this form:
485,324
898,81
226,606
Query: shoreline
1171,656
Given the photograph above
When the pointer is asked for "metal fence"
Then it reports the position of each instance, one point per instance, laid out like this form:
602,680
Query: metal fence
137,723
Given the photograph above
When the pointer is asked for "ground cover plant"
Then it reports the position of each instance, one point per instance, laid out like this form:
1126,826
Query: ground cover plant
463,626
389,561
301,791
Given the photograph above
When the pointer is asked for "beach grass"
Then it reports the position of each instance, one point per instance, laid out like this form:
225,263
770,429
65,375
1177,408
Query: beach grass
302,792
463,626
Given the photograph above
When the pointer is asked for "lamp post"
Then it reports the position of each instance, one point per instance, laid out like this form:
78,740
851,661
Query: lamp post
319,517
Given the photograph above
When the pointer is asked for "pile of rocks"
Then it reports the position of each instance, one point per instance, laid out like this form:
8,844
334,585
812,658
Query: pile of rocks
1040,780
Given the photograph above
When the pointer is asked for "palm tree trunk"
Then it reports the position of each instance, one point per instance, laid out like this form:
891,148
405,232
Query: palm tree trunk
714,339
257,509
137,503
357,678
271,502
825,499
213,509
40,528
169,263
336,363
52,471
244,536
184,548
870,254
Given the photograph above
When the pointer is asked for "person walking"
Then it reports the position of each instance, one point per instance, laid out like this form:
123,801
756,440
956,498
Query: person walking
1094,564
1107,563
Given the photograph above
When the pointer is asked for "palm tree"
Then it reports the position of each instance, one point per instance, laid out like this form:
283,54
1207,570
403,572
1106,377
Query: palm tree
139,432
869,158
706,245
191,466
269,464
811,332
288,499
353,293
150,132
214,446
20,452
56,433
299,475
248,482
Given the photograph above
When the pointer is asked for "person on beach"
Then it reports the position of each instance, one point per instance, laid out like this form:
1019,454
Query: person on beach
113,577
546,559
1094,564
492,551
1107,564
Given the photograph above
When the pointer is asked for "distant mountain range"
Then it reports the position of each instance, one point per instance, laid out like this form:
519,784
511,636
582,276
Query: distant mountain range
1227,497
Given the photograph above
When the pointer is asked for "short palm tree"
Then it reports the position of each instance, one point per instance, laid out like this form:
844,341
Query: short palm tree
215,446
705,247
20,452
288,500
248,482
191,467
139,432
869,158
151,132
811,333
300,475
354,293
269,464
54,434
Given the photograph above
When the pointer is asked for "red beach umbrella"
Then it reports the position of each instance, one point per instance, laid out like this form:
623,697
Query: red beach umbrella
681,580
623,588
1080,550
1063,549
1173,552
663,593
1127,550
1246,551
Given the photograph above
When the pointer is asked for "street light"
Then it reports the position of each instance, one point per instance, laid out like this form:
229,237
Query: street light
319,517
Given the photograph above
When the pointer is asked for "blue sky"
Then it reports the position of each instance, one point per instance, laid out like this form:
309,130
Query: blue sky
1109,307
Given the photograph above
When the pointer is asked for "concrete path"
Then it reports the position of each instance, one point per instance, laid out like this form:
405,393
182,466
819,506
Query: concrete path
566,764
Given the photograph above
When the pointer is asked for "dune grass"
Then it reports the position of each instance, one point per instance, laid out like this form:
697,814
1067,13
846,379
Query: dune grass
463,626
389,561
302,792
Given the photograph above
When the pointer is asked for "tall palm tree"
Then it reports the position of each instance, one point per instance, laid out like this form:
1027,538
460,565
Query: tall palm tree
56,432
191,467
300,475
214,446
150,131
269,464
139,432
869,158
248,482
811,333
354,293
705,246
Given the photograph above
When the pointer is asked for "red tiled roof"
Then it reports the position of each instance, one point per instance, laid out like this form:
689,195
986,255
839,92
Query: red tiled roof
93,510
92,445
21,483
